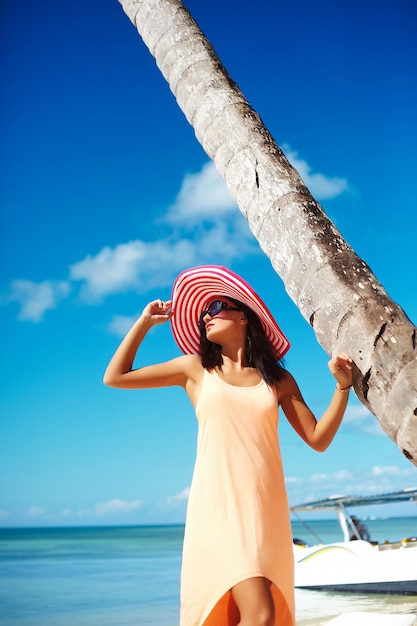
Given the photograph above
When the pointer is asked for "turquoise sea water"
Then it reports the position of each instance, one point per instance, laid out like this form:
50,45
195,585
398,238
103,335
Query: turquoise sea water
90,576
129,576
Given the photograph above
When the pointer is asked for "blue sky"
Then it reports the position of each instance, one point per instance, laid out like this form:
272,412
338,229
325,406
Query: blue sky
106,196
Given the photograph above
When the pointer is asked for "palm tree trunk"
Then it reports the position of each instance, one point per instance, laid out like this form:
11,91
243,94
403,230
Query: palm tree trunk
334,289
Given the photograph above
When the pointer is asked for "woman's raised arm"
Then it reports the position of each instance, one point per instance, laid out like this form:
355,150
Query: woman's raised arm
119,372
318,434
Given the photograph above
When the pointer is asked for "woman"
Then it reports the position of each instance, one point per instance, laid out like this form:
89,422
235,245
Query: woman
237,558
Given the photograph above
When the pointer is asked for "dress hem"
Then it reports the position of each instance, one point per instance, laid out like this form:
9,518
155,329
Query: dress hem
235,581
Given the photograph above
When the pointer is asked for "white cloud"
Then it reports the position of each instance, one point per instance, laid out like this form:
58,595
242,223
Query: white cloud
211,229
176,503
318,478
227,242
65,512
293,480
203,196
120,324
179,498
387,470
320,186
35,511
140,266
343,475
37,298
356,412
135,265
357,418
116,506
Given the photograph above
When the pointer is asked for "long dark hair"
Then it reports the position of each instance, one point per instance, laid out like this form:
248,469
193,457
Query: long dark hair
259,353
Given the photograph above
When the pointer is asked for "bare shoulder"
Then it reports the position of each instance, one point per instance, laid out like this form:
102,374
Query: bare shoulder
287,386
192,367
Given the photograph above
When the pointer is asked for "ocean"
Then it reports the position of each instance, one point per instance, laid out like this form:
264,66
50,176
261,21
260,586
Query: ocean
129,576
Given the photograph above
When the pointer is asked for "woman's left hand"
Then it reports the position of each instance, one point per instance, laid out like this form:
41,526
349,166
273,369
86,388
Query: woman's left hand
341,367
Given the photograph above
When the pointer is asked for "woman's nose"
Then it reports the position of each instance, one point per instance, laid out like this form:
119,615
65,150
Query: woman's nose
206,314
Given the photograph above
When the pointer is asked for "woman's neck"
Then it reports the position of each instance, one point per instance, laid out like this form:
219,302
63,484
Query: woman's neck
233,359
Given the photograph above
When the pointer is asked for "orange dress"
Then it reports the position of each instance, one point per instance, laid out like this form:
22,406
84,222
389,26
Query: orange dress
238,524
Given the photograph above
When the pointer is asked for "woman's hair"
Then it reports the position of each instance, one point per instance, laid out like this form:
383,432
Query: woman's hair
259,353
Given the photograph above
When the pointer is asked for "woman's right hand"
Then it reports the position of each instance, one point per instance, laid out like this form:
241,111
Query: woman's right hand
157,312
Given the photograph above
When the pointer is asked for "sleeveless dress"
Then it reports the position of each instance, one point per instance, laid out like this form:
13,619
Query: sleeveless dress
237,524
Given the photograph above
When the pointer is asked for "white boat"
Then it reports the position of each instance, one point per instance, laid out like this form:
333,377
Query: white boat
357,564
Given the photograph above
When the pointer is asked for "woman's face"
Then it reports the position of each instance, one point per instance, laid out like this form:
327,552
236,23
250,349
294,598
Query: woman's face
221,317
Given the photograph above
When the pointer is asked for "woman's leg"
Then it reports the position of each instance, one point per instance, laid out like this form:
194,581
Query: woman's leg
255,602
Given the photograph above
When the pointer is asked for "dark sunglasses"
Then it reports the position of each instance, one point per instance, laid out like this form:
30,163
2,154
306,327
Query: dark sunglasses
215,308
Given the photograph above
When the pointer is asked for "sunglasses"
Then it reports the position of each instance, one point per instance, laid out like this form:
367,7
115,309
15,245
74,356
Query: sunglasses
215,308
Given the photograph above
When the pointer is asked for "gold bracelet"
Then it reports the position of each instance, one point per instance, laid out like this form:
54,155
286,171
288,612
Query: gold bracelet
343,389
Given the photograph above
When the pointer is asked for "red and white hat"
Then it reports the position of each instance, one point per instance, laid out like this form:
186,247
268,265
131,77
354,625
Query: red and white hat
192,291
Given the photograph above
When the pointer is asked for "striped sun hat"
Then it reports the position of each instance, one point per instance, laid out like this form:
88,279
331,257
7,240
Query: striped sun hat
192,291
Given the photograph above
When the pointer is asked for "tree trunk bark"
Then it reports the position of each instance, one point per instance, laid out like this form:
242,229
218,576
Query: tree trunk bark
334,289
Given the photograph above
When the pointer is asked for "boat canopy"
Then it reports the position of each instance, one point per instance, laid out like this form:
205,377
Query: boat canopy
338,502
